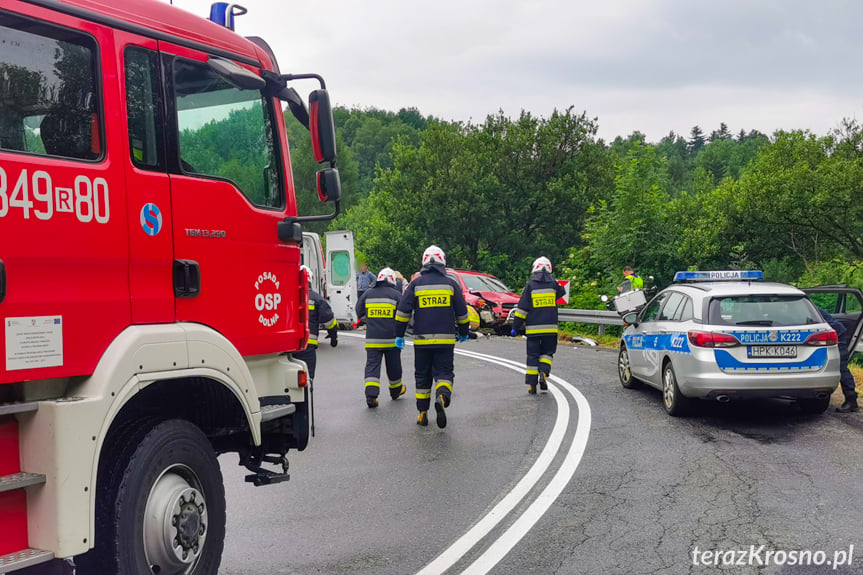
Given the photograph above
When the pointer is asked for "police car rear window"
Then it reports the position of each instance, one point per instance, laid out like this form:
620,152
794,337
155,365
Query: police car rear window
762,310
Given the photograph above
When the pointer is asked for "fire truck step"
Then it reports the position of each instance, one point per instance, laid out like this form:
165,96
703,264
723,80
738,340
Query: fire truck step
18,407
23,558
19,480
277,410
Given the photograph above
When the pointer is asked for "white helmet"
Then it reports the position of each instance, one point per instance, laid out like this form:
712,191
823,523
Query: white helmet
434,254
541,264
387,275
309,273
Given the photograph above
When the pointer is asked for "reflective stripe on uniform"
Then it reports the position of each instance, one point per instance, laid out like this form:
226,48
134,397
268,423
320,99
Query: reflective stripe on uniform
373,382
463,318
385,300
435,289
434,338
520,313
547,328
530,371
545,359
424,395
395,384
446,384
311,306
380,343
332,324
313,342
403,317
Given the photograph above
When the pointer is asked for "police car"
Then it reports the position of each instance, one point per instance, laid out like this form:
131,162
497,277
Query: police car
725,335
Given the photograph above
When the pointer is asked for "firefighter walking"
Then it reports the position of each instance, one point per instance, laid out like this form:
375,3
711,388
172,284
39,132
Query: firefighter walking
378,306
437,305
320,313
537,314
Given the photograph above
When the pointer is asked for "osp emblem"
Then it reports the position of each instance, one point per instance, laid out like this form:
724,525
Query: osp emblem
267,299
151,219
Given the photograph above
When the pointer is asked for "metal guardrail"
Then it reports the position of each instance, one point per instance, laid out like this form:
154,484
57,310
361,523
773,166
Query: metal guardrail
594,316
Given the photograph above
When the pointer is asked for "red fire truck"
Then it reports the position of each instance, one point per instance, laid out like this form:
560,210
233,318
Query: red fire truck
150,282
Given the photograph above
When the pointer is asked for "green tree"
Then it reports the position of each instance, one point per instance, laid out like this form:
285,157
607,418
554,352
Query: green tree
802,196
696,141
636,227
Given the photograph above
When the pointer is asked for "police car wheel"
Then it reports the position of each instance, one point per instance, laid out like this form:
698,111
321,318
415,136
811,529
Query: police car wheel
624,370
814,406
673,401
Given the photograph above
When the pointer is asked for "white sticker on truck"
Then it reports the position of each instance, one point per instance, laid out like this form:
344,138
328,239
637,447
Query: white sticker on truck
33,342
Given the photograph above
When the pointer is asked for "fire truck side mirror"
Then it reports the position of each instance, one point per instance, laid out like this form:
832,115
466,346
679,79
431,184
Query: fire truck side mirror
329,185
322,127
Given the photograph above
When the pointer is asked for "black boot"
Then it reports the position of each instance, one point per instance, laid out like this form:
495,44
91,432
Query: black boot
849,406
543,384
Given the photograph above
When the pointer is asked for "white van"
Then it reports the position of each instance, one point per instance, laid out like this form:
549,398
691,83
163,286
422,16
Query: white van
335,273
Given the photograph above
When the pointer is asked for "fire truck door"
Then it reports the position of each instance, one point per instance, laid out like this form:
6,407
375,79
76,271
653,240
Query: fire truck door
228,194
63,227
151,246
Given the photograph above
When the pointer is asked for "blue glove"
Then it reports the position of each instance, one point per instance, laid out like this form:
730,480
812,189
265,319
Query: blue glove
513,333
463,337
400,342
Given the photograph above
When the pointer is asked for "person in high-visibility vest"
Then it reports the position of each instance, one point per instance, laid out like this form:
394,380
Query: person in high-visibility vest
631,281
437,305
378,306
537,314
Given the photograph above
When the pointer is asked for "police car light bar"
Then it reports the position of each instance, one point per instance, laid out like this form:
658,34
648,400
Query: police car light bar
729,275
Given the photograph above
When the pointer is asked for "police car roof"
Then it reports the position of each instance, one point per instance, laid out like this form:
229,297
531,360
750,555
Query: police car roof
739,288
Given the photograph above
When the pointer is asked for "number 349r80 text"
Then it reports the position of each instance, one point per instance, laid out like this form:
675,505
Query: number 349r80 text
88,199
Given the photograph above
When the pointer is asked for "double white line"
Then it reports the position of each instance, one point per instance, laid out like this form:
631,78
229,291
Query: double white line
510,538
528,518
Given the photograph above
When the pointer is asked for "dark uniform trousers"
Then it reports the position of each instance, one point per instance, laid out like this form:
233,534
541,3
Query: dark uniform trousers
846,377
540,351
433,364
374,358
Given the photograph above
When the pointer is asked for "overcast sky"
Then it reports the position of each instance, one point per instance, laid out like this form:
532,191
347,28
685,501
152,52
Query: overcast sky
646,65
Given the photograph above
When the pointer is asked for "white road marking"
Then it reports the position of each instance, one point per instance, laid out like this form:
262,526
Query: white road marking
475,534
510,538
528,518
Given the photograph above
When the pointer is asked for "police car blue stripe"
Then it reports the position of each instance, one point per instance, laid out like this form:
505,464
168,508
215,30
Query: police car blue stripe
673,342
814,362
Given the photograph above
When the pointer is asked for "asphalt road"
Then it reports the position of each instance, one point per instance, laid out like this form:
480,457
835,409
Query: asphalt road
376,494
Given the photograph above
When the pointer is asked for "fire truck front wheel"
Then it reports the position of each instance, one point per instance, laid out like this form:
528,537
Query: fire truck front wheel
160,504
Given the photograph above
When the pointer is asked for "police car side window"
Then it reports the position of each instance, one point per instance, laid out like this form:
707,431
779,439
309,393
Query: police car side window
670,307
684,310
50,103
226,132
652,310
144,108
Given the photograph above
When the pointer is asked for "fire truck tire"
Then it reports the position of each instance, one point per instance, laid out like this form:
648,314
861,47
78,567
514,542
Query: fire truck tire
160,504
